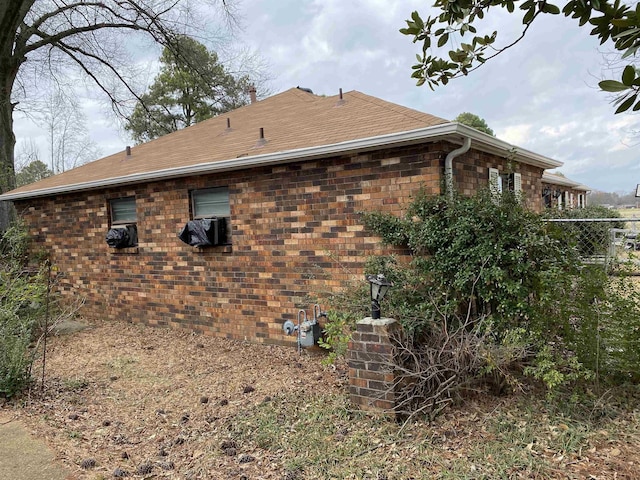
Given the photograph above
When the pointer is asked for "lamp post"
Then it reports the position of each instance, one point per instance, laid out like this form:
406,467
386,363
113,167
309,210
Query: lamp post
379,287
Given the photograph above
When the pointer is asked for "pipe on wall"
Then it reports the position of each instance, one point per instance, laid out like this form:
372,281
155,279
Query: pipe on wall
448,165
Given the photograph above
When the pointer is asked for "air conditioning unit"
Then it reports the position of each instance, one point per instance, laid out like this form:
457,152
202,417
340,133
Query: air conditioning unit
123,237
205,232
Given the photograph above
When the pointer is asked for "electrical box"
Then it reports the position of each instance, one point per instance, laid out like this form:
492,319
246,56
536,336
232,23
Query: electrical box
122,237
205,232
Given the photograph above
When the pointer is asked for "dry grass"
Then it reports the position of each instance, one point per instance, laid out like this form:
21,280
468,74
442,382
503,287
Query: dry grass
629,212
186,406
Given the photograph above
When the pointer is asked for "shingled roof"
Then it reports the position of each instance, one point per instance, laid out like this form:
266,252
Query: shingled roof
296,124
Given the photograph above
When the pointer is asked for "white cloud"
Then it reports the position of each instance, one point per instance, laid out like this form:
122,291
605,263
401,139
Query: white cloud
516,134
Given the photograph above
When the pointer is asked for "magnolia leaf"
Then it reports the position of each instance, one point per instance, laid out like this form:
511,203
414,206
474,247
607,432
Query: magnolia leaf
627,103
631,51
636,107
416,18
443,39
612,86
551,9
621,22
528,17
628,75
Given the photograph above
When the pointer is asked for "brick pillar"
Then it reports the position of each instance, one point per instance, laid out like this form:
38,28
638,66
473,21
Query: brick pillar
370,351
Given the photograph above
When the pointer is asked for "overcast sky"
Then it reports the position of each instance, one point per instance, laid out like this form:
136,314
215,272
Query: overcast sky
541,95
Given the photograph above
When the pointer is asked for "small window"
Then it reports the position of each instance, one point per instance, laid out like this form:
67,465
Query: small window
210,203
123,211
503,182
123,233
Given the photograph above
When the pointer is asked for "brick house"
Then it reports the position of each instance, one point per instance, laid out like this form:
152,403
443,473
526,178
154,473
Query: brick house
561,192
285,177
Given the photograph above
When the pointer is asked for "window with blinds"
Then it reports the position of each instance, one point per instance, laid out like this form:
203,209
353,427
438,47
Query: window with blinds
210,203
123,211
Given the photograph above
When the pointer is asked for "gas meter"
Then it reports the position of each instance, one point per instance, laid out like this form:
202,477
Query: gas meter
308,330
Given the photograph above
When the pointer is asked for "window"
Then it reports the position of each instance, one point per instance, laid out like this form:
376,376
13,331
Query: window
547,197
499,182
210,213
123,232
123,211
210,202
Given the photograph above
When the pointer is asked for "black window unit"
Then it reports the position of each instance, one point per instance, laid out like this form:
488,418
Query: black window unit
211,214
124,231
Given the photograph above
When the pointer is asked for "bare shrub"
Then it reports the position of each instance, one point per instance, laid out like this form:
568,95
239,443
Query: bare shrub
433,370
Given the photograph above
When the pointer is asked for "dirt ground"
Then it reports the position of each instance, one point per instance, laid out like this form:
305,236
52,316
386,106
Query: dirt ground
128,401
132,398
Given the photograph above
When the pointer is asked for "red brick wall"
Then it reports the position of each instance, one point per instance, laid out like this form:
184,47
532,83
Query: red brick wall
471,173
289,225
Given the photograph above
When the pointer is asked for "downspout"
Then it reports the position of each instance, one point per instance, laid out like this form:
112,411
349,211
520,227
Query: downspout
448,165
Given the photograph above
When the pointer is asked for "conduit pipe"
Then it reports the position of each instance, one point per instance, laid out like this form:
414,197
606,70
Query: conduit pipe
448,165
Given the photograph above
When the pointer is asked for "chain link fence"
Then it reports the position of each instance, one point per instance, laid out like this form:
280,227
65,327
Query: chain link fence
604,241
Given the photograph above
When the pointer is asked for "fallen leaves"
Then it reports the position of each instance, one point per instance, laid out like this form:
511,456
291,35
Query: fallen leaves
165,403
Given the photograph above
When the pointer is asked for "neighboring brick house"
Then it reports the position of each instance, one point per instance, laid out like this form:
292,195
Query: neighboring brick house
288,176
560,192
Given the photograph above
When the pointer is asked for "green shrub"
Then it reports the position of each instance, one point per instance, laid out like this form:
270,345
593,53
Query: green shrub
21,305
489,265
486,250
336,334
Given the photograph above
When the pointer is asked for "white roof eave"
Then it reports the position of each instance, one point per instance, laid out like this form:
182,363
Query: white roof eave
453,132
552,179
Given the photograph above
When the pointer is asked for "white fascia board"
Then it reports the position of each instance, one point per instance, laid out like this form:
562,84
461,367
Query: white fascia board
453,132
562,181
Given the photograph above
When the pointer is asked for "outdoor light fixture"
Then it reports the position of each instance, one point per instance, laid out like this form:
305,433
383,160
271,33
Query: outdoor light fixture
379,287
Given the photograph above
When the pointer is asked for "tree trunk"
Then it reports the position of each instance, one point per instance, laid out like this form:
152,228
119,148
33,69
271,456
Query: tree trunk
8,71
11,15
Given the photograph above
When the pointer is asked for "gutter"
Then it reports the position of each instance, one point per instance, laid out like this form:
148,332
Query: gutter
448,165
452,132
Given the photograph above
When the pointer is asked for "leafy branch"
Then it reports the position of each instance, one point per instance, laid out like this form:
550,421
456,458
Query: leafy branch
612,22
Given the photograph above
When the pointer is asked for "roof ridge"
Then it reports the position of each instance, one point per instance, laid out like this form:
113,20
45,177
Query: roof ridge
406,111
